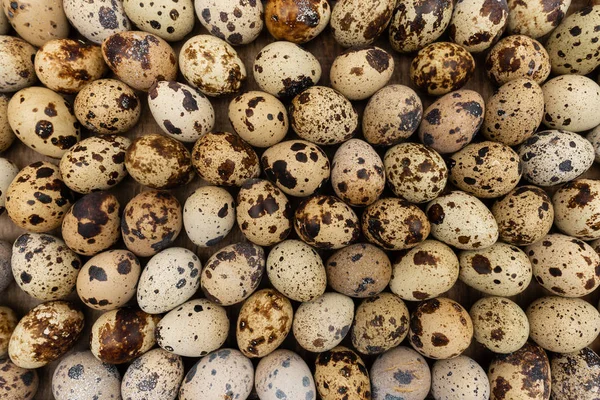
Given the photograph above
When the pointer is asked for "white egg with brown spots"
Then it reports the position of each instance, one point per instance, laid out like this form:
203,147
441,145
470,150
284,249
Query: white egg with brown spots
478,24
169,20
237,22
98,20
157,374
400,372
341,370
577,209
517,57
208,215
356,23
293,379
19,382
17,62
535,18
460,377
571,102
37,22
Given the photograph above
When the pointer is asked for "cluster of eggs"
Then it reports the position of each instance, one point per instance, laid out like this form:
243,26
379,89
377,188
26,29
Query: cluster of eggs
386,209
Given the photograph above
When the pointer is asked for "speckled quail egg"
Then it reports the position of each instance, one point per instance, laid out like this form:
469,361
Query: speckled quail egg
299,168
208,215
8,172
425,271
97,20
478,24
139,59
535,18
358,22
107,106
296,21
359,270
170,20
571,102
264,322
442,67
391,115
340,372
400,372
169,279
82,376
514,112
43,120
6,276
16,62
516,57
17,382
235,21
577,210
221,374
563,325
593,136
211,65
193,329
155,375
181,112
159,162
524,216
451,122
283,374
151,222
45,334
284,69
119,336
37,199
575,375
459,378
37,22
7,136
8,322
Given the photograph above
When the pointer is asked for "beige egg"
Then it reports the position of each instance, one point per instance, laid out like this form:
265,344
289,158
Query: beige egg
460,377
296,270
442,67
400,372
159,162
139,59
321,324
296,22
19,383
156,374
120,336
499,270
264,322
151,222
98,20
181,112
8,322
516,57
535,18
426,271
360,22
299,168
8,172
166,19
514,112
478,24
7,136
575,375
326,222
571,102
211,65
16,64
44,267
293,379
380,323
451,122
43,121
37,22
208,215
391,115
237,22
233,273
45,333
359,270
108,280
37,199
499,324
577,209
340,371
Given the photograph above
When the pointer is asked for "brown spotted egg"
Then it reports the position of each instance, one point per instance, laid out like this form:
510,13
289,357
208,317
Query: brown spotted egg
293,379
169,20
37,22
156,374
340,371
517,57
296,21
359,22
535,18
571,102
7,136
577,209
478,24
460,377
237,22
208,215
400,372
575,375
97,20
8,322
8,172
18,382
16,64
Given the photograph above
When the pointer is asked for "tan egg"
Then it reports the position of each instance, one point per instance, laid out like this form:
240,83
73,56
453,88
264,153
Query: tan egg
107,106
108,280
98,20
391,115
211,65
120,336
296,270
400,372
460,377
340,371
359,270
7,136
157,374
535,18
37,199
299,168
44,267
575,375
8,172
499,324
264,322
321,324
359,73
440,328
380,323
181,112
358,22
514,112
43,121
159,162
424,272
500,270
326,222
442,67
208,215
16,64
45,334
577,209
8,322
37,22
19,383
139,59
323,116
233,273
415,172
516,57
296,22
237,22
95,163
222,158
151,222
478,24
520,375
168,20
293,379
451,122
572,102
298,71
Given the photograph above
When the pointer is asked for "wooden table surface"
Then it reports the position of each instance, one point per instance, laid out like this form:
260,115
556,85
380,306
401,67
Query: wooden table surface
325,49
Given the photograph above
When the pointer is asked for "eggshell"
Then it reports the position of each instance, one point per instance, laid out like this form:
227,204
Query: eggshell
516,57
8,322
37,22
98,20
360,22
340,371
7,136
166,19
6,276
459,378
8,172
208,215
238,22
18,382
400,372
16,64
575,375
571,102
293,379
156,374
478,24
296,22
577,209
535,18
